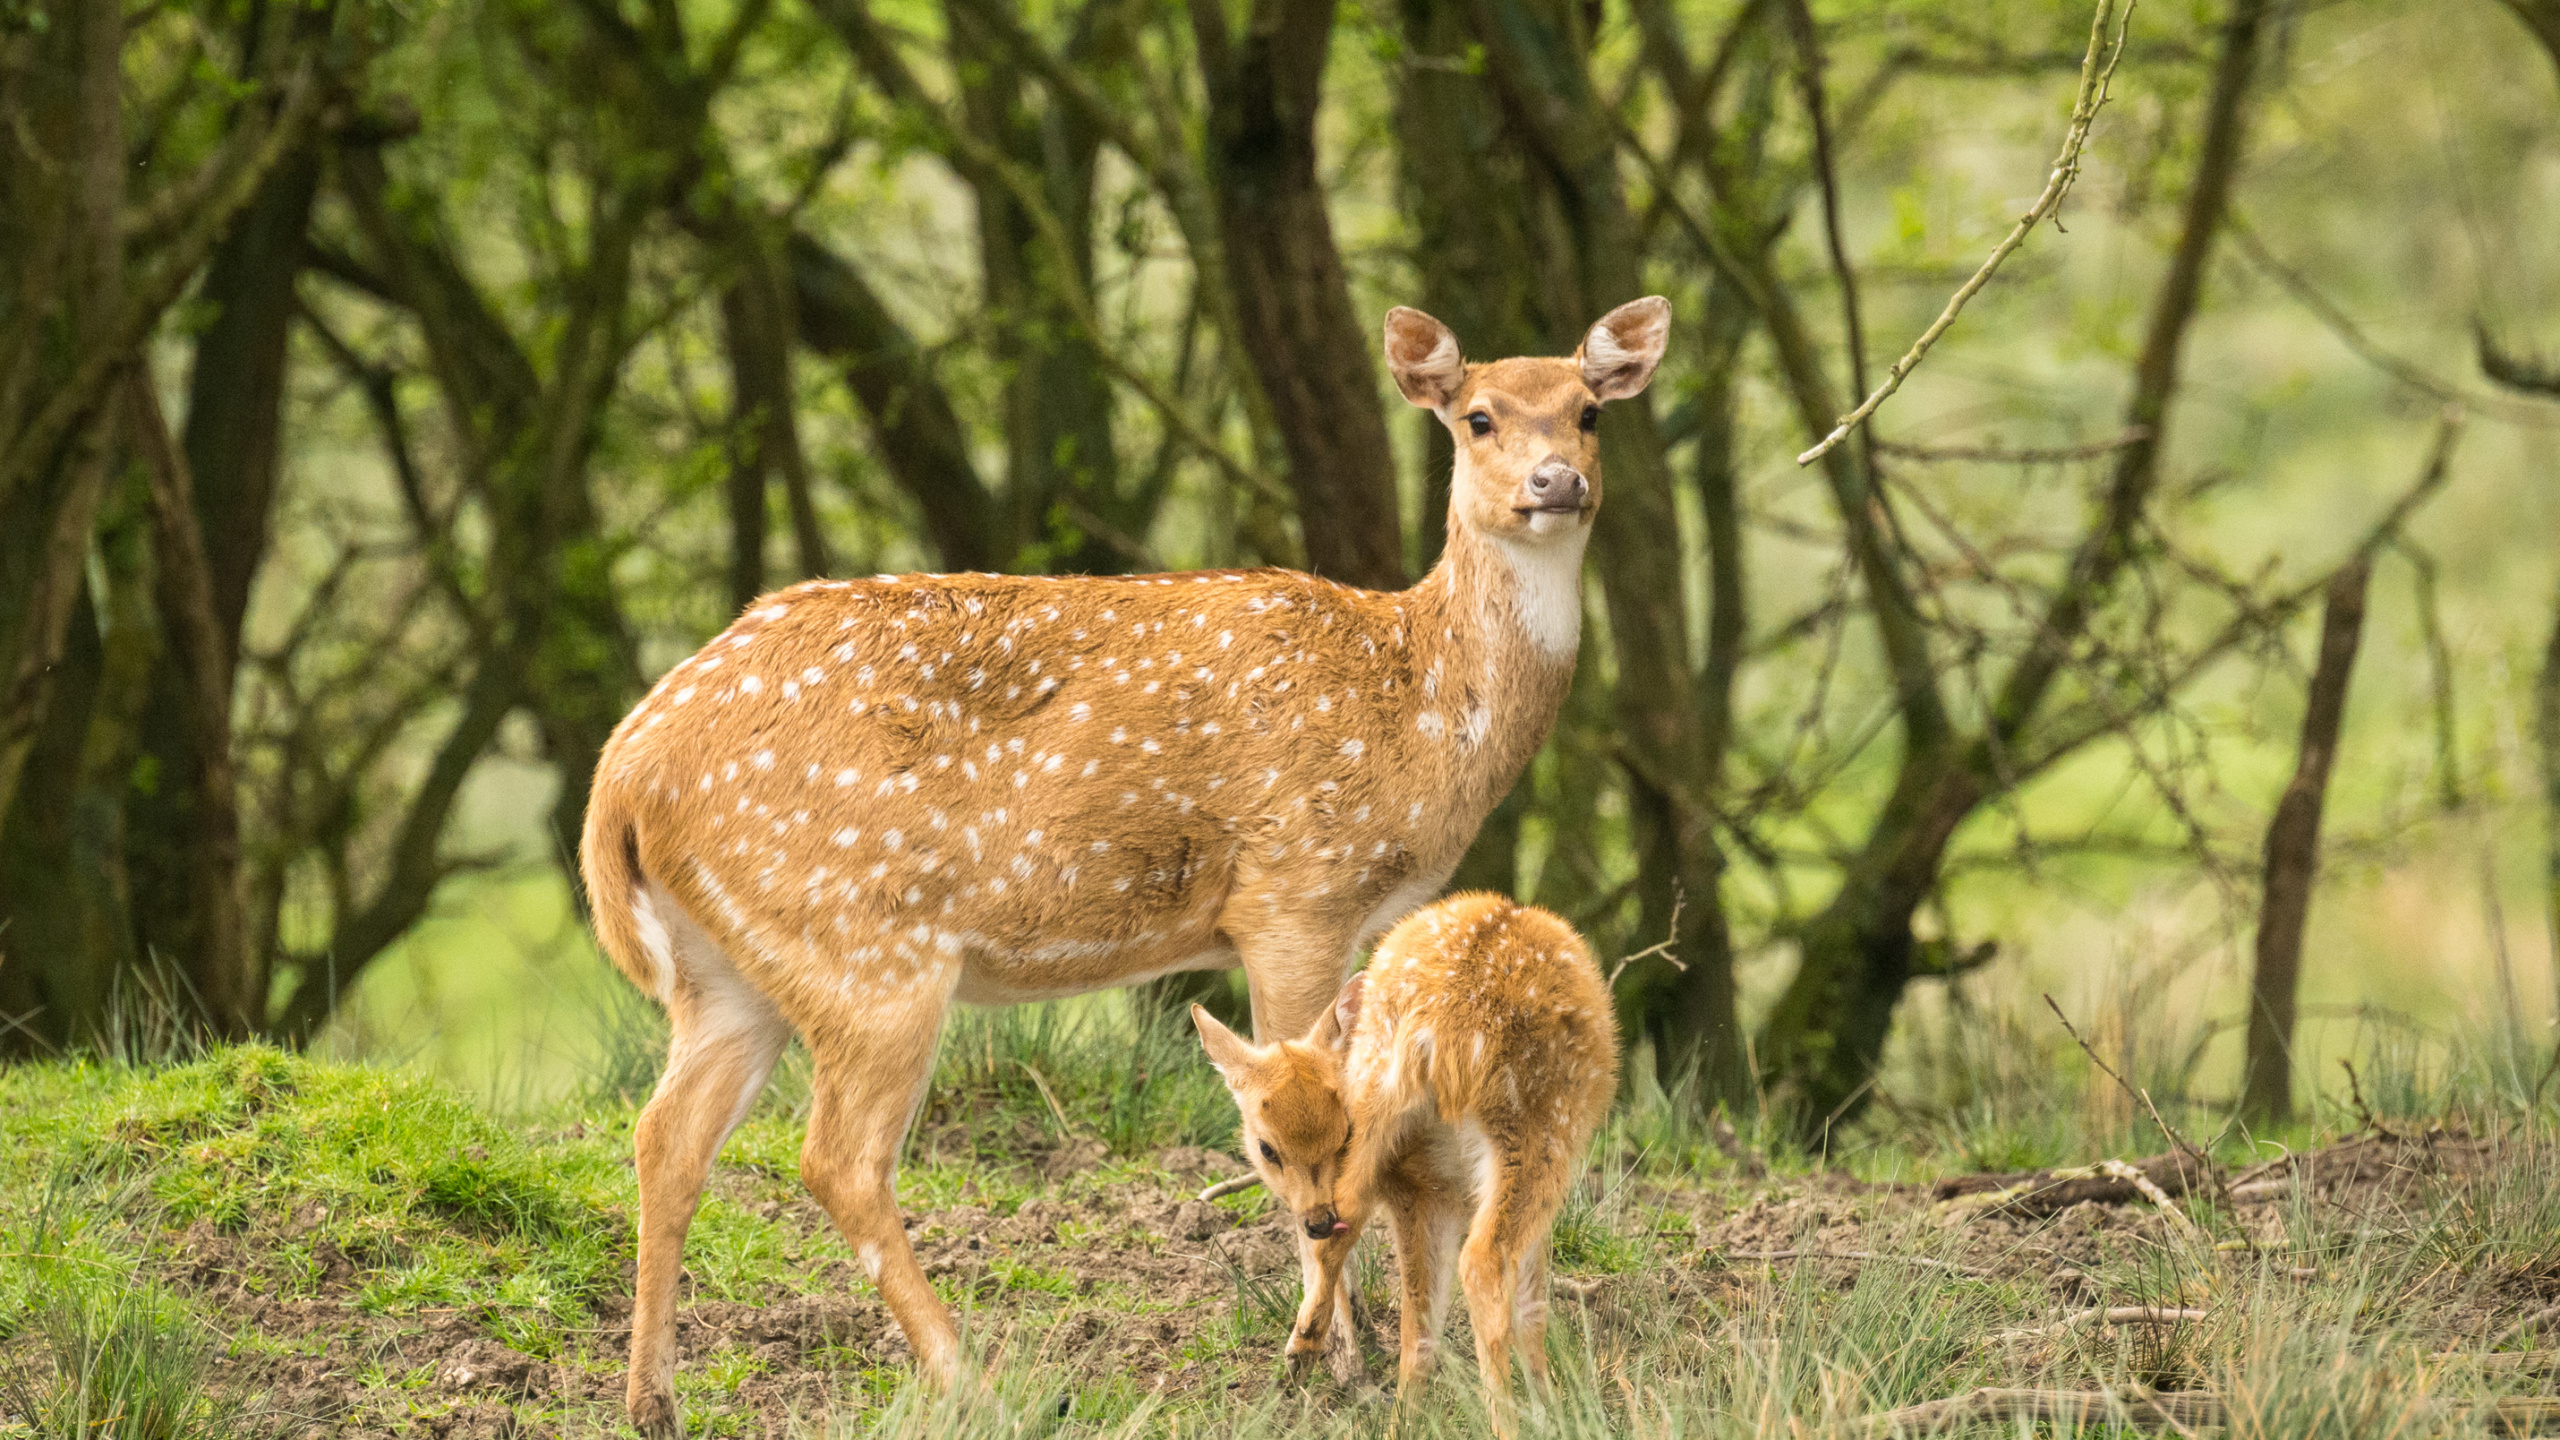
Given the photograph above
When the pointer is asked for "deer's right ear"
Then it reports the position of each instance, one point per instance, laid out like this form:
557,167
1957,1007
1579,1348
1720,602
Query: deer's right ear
1333,1031
1423,356
1228,1051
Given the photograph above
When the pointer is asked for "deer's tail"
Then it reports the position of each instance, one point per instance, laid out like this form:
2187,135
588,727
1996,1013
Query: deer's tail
609,863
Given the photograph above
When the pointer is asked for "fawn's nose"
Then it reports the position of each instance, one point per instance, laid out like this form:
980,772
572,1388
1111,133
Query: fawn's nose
1323,1224
1556,485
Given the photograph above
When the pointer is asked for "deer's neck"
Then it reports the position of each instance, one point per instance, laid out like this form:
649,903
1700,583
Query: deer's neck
1501,623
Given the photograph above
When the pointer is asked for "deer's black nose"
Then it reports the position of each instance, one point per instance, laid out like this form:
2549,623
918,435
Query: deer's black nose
1320,1225
1557,485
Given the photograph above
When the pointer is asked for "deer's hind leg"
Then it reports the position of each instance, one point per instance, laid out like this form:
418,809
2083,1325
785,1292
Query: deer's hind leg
1505,1250
725,1036
1429,1226
874,1054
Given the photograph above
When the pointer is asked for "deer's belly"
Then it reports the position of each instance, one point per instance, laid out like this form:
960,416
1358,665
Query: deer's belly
999,975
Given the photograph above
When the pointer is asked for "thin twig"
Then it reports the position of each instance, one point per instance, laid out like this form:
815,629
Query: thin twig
2166,1129
2019,455
2151,1191
1232,1185
1662,947
2364,1112
2066,168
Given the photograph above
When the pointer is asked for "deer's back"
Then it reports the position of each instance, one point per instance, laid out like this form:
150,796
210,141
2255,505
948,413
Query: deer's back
1063,778
1488,1014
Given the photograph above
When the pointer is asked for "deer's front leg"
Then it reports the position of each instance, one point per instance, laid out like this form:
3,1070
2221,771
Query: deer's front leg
1323,1312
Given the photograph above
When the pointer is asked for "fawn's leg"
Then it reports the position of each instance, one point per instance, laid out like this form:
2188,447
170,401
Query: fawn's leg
1293,967
1428,1229
1321,1310
1505,1247
725,1037
1529,1307
872,1064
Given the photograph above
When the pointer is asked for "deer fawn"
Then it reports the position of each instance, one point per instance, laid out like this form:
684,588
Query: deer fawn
868,799
1456,1081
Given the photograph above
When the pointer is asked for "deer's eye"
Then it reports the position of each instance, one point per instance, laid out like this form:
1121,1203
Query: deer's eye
1271,1155
1480,422
1590,417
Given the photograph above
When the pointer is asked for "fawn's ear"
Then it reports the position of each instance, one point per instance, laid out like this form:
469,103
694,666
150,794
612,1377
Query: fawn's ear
1423,356
1334,1027
1619,354
1228,1051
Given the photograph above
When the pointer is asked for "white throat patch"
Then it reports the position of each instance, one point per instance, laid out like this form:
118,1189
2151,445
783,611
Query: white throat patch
1546,591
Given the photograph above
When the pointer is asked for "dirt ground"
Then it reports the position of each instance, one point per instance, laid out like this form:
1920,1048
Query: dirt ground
1138,1281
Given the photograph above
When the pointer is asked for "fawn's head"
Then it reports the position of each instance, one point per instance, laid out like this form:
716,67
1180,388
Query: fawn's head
1527,430
1297,1130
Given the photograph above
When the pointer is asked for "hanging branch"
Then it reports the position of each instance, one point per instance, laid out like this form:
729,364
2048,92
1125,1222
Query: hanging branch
2066,168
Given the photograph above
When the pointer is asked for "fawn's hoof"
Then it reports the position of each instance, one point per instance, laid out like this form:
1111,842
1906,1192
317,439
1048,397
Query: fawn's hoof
1342,1357
656,1417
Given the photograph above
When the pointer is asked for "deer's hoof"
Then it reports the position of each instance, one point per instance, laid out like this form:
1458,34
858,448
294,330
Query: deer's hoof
1342,1357
656,1417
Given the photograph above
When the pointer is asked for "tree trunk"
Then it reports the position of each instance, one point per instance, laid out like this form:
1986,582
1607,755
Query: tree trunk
1313,357
223,981
63,931
1537,55
2293,857
1827,1032
183,835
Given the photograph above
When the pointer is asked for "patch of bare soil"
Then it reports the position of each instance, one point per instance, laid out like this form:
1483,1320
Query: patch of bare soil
1140,1281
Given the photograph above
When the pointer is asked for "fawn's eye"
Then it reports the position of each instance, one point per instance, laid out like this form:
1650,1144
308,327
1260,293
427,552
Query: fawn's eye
1271,1155
1480,422
1590,417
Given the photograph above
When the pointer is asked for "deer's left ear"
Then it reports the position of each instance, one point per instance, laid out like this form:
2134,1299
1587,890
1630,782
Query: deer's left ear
1231,1053
1619,354
1334,1027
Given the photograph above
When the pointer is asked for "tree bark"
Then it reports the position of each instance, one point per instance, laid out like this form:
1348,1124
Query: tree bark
1314,359
217,962
1537,57
2293,857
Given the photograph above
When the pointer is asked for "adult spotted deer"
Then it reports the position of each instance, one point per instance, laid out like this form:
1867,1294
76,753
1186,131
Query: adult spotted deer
869,799
1456,1083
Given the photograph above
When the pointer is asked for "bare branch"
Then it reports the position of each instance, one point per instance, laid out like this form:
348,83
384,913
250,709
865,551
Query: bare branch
2066,168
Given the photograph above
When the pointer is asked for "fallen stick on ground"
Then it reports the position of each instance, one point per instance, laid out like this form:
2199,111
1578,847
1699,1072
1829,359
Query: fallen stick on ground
1232,1185
2502,1360
2180,1410
1920,1260
2539,1317
2151,1191
2105,1315
2061,1407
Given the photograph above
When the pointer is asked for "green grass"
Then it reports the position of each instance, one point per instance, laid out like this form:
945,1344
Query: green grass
162,1226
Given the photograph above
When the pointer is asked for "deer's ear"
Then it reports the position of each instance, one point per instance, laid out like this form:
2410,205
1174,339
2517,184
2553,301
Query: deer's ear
1333,1029
1228,1051
1423,356
1619,354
